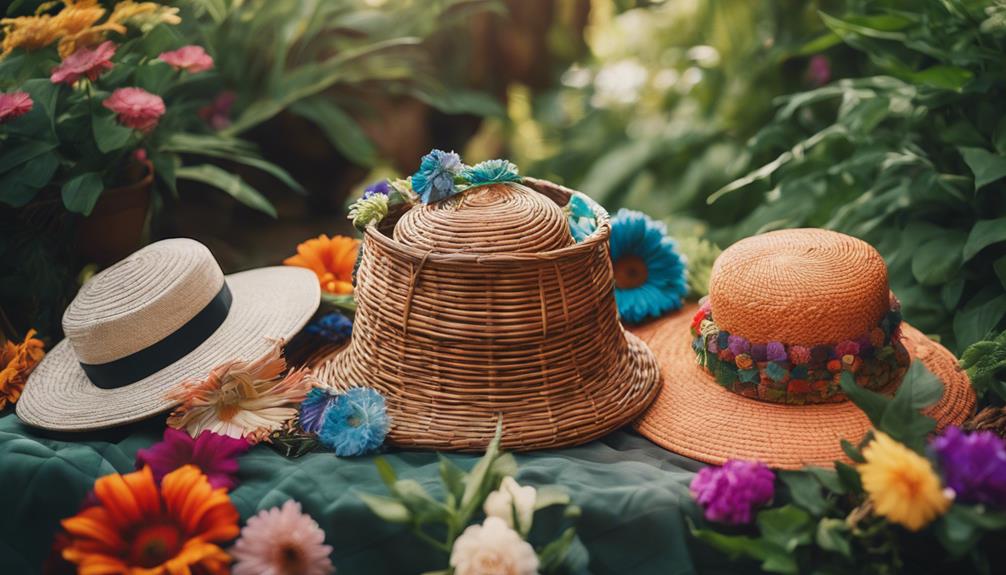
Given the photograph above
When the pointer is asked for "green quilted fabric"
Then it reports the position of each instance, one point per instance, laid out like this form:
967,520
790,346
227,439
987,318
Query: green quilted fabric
634,498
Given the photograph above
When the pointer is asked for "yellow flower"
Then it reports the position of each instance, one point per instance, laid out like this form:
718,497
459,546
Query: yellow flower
144,15
16,363
28,32
331,259
901,483
241,398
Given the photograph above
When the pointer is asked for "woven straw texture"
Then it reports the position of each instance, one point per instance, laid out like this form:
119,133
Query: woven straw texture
456,338
162,284
800,287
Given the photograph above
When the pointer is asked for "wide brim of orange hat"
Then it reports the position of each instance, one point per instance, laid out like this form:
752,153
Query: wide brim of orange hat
696,417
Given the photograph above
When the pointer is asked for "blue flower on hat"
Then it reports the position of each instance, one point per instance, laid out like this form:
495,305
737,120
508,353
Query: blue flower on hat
435,179
490,172
649,272
355,422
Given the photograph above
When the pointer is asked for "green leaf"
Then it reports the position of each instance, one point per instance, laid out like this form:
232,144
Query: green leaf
233,185
851,451
233,149
1000,268
873,404
549,495
772,557
941,76
422,507
452,476
339,301
805,490
983,234
154,76
108,134
978,319
937,260
828,478
386,471
17,152
475,482
81,192
20,185
340,129
552,556
787,526
985,362
833,535
388,509
986,166
903,419
849,476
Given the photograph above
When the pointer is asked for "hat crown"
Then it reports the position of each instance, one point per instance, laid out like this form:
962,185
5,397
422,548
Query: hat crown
141,300
497,218
800,287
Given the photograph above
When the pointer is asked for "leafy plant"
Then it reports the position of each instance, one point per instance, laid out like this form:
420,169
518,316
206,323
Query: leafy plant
912,158
440,522
824,522
74,145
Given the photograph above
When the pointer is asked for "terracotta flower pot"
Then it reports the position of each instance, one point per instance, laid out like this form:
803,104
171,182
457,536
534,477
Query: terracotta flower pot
117,225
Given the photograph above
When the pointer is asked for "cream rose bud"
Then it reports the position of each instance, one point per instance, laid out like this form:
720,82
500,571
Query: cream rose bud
493,548
512,499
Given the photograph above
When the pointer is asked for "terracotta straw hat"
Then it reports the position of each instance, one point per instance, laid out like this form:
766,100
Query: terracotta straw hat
482,307
162,315
753,372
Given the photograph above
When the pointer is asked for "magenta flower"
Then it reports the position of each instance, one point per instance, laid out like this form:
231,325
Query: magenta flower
136,108
192,59
973,465
218,113
216,455
729,494
89,62
14,104
846,348
818,70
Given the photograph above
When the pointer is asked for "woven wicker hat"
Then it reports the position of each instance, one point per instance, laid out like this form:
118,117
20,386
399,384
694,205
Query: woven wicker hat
162,315
482,307
753,373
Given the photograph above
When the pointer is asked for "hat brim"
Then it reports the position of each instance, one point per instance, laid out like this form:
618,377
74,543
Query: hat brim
696,417
268,303
462,417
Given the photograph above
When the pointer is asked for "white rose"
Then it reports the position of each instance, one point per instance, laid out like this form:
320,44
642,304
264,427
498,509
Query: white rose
509,500
493,549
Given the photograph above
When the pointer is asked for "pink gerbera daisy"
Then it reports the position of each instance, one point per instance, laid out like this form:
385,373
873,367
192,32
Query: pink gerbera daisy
215,455
282,541
136,108
84,62
14,104
189,58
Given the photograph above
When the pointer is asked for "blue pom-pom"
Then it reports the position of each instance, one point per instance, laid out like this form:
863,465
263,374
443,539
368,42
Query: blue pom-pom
435,179
355,423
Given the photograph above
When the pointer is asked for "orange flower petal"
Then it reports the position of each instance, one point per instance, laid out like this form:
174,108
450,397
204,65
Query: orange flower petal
94,523
127,497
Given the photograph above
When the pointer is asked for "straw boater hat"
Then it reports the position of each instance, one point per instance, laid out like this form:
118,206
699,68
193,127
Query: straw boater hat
162,315
481,307
753,373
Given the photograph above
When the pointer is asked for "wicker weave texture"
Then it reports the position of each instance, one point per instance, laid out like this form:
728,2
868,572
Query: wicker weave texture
457,338
800,287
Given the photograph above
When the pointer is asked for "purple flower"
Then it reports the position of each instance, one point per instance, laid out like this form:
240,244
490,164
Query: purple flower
759,351
216,455
729,494
314,408
332,326
739,345
775,351
380,188
818,70
974,465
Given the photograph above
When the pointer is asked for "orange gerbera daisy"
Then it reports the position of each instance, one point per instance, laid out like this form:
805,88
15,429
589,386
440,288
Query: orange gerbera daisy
16,363
139,529
331,259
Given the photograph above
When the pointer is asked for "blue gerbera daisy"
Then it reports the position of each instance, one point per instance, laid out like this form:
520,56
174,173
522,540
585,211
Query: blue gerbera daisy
435,179
355,422
650,277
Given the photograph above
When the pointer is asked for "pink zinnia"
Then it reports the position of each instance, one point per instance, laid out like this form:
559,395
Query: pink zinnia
136,108
189,58
14,104
282,541
215,455
84,62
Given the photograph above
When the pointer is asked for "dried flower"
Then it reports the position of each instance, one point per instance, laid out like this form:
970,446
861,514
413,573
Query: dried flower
240,398
513,503
901,484
282,541
14,105
16,363
368,210
192,59
85,62
136,527
214,455
136,108
490,172
435,179
331,259
492,548
973,465
730,494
